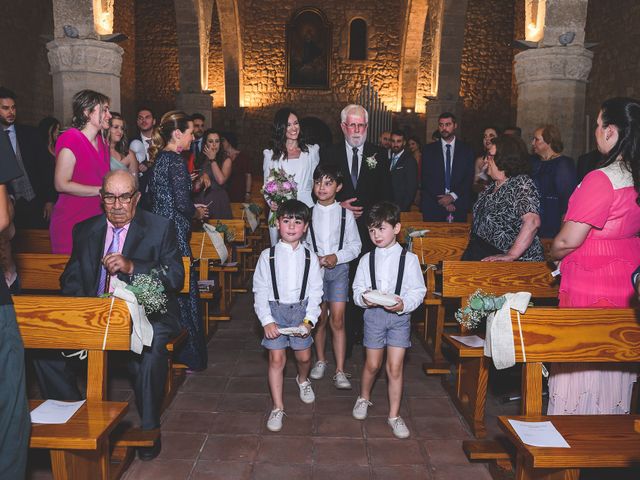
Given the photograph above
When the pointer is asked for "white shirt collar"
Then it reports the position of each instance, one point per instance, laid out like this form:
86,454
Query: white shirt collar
388,250
287,245
327,207
350,148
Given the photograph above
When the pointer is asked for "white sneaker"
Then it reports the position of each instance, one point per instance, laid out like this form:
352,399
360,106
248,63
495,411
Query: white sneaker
317,372
306,392
341,381
360,408
274,423
398,426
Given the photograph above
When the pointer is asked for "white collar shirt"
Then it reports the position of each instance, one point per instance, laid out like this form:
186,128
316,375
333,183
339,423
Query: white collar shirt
289,267
387,262
350,157
326,228
11,131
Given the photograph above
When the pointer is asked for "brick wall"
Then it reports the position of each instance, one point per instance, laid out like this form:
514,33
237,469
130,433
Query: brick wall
124,22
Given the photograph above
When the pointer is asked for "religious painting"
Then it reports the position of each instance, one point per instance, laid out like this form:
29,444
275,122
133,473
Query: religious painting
308,50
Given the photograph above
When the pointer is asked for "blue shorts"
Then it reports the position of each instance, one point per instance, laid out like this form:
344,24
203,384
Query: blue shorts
335,283
288,315
386,329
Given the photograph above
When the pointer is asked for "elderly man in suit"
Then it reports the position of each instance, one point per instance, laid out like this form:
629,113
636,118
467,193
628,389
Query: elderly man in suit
123,243
403,171
447,175
33,191
365,169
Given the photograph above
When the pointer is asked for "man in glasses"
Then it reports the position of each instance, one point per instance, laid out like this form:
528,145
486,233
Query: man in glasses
121,243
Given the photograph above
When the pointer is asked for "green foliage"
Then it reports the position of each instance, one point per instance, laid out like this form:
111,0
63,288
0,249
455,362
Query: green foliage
479,305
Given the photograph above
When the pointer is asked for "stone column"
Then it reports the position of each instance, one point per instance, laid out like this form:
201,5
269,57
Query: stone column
552,85
196,102
77,64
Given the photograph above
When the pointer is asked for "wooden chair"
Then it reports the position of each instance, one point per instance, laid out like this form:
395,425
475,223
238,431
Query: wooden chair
459,281
575,335
79,448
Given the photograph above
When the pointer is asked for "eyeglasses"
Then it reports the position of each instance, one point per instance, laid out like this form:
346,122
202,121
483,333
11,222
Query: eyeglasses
125,198
354,126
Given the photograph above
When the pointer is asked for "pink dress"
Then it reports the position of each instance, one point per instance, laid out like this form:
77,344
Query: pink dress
91,166
598,274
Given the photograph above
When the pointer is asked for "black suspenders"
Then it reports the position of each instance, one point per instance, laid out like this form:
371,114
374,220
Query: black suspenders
372,270
305,277
343,222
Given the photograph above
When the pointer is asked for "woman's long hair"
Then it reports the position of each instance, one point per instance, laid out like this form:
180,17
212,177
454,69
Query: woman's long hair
220,156
122,147
624,114
169,123
279,134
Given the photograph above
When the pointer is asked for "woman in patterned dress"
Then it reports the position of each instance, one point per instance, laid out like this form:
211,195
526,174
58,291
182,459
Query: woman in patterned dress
506,216
600,249
170,189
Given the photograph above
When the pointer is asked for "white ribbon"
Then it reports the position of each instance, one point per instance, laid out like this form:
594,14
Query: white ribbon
142,330
499,338
217,241
252,219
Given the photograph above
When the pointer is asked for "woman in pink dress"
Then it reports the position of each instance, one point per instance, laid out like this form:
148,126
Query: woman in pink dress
82,160
599,248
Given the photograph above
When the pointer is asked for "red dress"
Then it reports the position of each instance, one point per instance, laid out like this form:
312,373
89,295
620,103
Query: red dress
91,166
598,274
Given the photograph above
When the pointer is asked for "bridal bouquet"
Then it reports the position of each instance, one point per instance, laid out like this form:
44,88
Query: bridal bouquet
279,187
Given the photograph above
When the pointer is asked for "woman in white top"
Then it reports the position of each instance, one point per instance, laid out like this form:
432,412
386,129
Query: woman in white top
290,152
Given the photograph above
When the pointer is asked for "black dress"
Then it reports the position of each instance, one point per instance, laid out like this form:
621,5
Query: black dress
497,215
170,192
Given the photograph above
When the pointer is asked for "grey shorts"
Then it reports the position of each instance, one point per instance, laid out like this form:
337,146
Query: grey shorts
288,315
386,329
335,284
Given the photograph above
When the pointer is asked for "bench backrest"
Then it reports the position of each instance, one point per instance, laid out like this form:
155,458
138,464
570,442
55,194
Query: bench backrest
201,247
76,323
410,217
433,250
237,226
41,271
31,241
571,335
436,229
461,279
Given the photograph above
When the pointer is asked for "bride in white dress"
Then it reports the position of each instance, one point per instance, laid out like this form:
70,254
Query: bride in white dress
290,152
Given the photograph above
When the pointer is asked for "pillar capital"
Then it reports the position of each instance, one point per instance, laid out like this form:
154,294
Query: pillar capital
572,63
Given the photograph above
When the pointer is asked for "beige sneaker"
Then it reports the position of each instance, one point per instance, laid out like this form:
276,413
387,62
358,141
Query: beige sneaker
360,408
317,372
274,423
306,391
398,426
341,381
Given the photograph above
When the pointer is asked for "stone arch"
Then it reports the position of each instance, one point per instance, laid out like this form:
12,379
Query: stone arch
365,29
415,19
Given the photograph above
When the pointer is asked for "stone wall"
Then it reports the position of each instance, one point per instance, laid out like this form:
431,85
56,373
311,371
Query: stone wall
156,55
124,22
616,55
486,73
216,64
24,67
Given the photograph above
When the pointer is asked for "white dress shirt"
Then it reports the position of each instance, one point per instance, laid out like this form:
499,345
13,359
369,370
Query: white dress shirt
387,262
444,144
350,157
326,228
289,266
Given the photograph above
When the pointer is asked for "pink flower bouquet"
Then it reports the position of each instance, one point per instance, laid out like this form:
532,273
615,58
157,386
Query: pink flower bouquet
278,187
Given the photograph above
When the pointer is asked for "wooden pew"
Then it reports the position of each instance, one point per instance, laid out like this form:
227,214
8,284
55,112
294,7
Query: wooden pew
410,217
79,448
574,335
31,241
436,229
459,281
40,272
238,230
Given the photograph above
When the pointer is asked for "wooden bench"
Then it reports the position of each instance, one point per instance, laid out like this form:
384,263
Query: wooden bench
79,448
436,229
410,217
239,247
459,281
31,241
573,335
40,272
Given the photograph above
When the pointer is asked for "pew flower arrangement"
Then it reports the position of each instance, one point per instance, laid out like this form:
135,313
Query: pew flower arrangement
279,187
149,292
223,229
254,208
479,305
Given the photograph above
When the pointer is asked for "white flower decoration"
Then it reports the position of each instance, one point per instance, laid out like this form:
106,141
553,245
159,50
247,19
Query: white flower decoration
371,161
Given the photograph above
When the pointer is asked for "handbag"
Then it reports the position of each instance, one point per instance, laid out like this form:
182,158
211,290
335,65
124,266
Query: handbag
478,248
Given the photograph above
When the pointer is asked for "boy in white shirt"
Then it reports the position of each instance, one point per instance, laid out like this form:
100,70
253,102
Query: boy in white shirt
333,236
287,287
390,269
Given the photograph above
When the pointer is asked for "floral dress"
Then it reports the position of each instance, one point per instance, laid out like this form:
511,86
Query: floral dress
170,190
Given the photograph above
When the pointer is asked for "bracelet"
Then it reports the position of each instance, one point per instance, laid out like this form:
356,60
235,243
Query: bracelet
308,322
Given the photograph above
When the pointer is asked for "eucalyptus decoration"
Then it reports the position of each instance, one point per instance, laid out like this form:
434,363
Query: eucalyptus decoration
479,305
223,229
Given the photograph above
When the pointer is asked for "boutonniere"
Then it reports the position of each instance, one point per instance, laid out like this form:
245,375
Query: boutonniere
371,161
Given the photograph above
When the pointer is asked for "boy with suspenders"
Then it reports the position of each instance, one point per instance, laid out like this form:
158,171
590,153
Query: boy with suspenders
333,236
287,287
388,268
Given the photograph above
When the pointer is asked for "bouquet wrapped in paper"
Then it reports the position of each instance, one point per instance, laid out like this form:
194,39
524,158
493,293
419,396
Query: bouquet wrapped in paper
279,187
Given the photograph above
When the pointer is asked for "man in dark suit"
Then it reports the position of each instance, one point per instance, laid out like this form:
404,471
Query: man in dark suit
403,171
123,242
33,191
447,175
365,169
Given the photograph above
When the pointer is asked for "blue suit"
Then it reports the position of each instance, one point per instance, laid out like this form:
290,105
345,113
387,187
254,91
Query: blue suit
433,181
